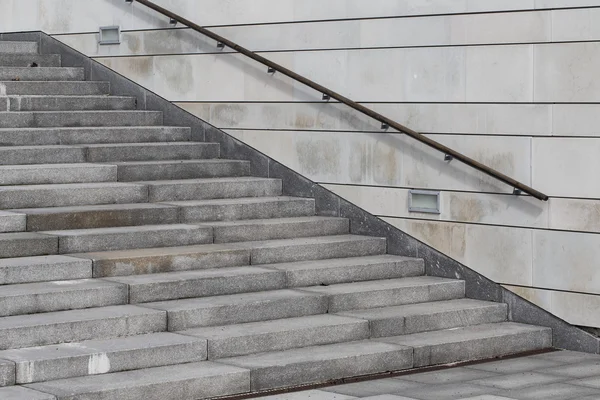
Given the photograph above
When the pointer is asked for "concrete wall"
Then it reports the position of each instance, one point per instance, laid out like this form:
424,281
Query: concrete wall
511,83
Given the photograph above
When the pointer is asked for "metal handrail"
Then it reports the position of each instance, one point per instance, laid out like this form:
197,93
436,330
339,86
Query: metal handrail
450,154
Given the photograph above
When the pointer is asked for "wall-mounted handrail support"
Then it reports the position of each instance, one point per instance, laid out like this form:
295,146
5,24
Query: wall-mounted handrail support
385,121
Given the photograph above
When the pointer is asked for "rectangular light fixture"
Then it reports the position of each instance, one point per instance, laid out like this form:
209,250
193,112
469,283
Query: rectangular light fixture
424,201
110,35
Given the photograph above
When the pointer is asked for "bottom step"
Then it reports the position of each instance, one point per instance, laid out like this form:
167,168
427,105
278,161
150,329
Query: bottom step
320,364
473,343
179,382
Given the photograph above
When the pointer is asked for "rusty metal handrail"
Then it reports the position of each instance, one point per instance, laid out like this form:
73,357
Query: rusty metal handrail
327,93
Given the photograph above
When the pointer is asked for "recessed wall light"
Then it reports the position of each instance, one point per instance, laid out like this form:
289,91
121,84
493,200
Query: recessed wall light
424,201
110,35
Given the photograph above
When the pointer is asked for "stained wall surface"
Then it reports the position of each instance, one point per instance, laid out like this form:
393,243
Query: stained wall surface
511,83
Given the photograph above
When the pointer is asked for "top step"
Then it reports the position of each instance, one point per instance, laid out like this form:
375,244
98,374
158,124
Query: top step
18,47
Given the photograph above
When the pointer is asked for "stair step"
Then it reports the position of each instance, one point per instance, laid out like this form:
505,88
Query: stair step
91,135
12,222
28,119
24,155
98,216
343,270
213,188
244,208
178,382
426,317
282,334
152,151
35,196
473,342
202,283
278,228
43,269
12,47
95,357
42,174
70,103
7,374
25,244
130,237
26,60
319,364
56,88
79,325
390,292
171,259
33,298
180,169
23,393
240,308
41,74
316,248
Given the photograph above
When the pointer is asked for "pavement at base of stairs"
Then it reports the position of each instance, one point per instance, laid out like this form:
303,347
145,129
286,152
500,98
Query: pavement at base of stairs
560,375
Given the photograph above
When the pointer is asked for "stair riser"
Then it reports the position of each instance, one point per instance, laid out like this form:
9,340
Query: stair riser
72,197
432,322
43,155
70,104
191,151
245,233
202,191
163,383
12,222
482,349
17,47
41,74
7,373
26,247
263,378
58,301
101,219
240,313
301,252
115,361
369,272
133,173
91,135
24,88
133,240
313,336
154,264
90,118
26,60
226,212
49,175
397,296
190,288
43,269
76,331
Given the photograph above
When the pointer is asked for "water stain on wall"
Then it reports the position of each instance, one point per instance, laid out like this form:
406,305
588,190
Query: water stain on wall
319,157
467,209
448,238
176,73
228,115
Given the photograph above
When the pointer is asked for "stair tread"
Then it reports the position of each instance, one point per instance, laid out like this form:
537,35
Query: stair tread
171,162
41,288
151,144
62,317
270,221
433,307
206,180
182,276
272,326
195,380
99,346
462,334
337,262
369,286
20,393
122,229
241,200
91,208
53,166
70,186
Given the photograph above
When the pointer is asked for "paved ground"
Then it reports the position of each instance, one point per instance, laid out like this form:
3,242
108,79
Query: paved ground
561,375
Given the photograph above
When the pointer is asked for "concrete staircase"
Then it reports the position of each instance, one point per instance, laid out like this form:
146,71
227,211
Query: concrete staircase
136,264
